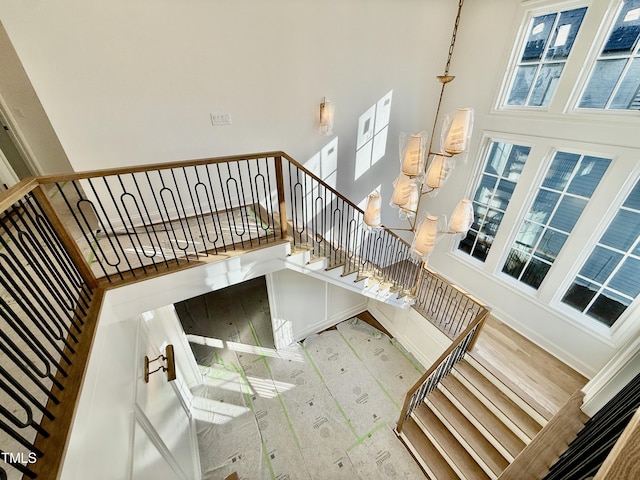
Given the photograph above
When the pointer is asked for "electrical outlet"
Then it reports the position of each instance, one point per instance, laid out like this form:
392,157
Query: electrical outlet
220,119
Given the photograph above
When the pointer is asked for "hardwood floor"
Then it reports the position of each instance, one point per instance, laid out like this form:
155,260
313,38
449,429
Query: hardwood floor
542,380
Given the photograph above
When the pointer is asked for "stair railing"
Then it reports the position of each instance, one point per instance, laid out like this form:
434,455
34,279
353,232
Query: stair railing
132,222
331,226
64,239
47,323
441,367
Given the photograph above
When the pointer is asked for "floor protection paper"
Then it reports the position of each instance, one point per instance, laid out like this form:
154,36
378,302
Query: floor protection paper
321,409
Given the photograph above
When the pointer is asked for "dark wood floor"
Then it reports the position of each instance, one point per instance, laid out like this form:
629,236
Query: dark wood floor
538,377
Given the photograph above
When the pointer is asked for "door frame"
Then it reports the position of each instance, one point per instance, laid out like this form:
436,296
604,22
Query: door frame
15,134
7,175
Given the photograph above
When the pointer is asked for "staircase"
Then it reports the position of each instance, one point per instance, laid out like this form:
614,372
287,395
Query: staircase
471,427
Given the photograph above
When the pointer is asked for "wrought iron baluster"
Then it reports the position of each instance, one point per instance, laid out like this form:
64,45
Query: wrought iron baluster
216,216
148,224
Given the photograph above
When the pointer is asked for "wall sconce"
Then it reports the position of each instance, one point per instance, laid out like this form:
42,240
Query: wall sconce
170,368
326,117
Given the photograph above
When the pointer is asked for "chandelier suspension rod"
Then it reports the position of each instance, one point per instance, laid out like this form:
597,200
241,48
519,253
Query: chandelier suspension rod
446,78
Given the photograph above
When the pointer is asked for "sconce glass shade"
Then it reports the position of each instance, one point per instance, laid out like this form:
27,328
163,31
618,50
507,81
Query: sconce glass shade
459,131
326,118
425,238
405,194
462,217
413,158
372,212
438,171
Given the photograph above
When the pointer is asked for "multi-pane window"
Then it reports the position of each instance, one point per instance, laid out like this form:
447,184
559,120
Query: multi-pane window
544,55
615,80
610,278
567,187
492,195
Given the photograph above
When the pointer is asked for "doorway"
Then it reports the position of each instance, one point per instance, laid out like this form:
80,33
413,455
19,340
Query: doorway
236,314
13,167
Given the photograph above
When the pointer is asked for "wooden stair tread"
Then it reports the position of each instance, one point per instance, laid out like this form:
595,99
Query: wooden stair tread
443,438
429,457
468,433
484,416
501,401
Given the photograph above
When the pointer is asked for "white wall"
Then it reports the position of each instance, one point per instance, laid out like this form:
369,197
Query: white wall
125,428
126,84
101,431
301,305
419,336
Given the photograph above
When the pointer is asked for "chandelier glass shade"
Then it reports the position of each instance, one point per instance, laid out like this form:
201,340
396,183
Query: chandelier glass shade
459,131
425,238
462,217
372,216
412,152
406,194
438,171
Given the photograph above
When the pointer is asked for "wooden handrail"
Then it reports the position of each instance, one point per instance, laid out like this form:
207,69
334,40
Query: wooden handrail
59,429
66,177
17,192
63,234
477,322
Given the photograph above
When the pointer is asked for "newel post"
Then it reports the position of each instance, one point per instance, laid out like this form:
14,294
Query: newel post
282,206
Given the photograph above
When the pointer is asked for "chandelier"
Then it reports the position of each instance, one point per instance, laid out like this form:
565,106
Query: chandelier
423,171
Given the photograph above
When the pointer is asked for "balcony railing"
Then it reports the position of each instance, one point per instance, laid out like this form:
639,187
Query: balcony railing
65,238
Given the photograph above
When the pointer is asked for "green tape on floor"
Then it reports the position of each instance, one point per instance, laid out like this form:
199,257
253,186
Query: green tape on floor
386,392
365,437
254,334
342,412
418,367
350,346
346,418
313,364
284,408
265,453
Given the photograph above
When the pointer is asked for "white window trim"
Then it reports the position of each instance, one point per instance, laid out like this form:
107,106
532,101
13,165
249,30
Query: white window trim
590,64
546,157
623,325
488,137
542,8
